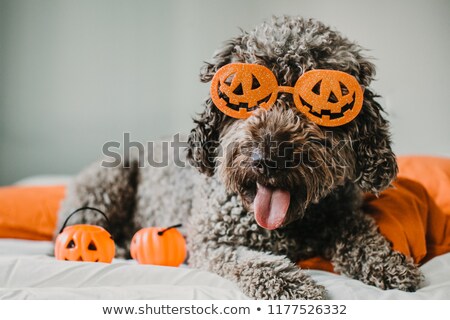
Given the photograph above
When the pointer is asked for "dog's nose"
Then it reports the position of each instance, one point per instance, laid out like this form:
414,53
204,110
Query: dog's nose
263,165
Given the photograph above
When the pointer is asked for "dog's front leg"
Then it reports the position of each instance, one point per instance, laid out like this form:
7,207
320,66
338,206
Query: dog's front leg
259,275
364,254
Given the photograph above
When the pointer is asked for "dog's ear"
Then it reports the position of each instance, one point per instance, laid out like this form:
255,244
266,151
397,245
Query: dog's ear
376,165
203,140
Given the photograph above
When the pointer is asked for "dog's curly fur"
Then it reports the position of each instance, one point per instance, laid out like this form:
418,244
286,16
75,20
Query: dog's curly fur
326,187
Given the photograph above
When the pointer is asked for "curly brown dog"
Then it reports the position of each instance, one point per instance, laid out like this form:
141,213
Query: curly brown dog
249,216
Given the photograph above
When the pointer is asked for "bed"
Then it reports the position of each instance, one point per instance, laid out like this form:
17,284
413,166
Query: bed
29,271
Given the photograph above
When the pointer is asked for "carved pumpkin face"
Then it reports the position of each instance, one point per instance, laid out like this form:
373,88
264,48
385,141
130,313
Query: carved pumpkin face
159,246
328,97
84,243
239,89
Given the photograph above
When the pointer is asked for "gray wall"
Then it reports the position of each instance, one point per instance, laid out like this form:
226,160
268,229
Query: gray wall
74,74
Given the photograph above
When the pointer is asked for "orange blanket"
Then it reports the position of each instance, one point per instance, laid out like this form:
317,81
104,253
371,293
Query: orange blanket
415,214
29,212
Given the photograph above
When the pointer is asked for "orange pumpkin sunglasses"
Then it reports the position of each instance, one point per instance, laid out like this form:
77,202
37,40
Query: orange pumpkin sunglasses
329,98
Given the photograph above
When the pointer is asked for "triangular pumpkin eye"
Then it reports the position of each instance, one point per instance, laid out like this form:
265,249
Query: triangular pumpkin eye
255,83
92,246
71,244
344,89
316,88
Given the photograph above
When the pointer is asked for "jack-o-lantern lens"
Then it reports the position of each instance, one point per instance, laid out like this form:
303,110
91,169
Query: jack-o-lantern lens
328,97
239,89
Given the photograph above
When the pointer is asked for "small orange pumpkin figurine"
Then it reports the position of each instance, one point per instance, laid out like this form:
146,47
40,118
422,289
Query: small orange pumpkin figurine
159,246
83,242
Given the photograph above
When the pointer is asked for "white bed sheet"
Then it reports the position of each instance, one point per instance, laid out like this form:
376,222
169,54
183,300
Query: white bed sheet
27,272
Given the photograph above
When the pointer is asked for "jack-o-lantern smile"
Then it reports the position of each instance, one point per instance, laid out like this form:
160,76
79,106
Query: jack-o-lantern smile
327,112
327,97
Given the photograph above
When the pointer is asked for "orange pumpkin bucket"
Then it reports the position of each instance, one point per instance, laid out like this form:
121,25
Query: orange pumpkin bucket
159,246
83,242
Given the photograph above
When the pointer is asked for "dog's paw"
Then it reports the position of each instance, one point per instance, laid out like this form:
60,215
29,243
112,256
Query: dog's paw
396,272
279,280
401,273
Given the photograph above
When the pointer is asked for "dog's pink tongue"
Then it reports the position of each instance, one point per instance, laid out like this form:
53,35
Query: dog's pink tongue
271,206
